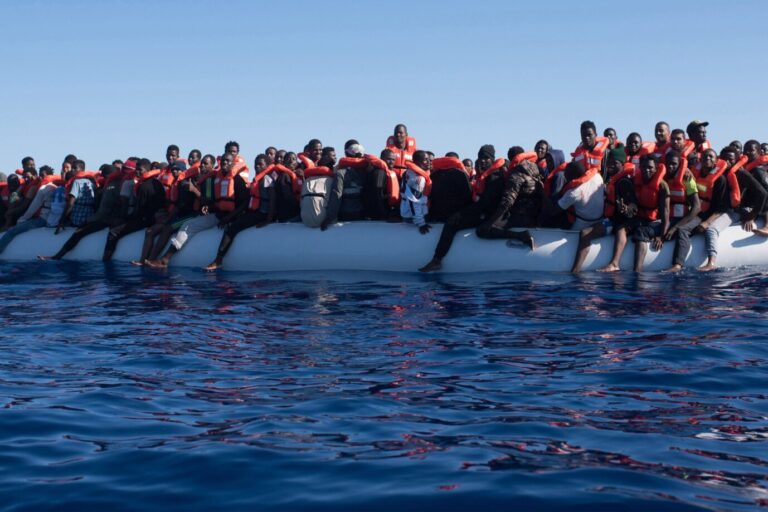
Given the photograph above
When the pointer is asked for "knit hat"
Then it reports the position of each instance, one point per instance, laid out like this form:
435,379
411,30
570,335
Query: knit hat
487,151
619,154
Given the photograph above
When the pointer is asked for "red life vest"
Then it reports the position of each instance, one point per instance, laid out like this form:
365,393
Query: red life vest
401,155
678,200
521,157
479,185
393,180
610,188
424,174
445,163
698,149
306,161
648,194
224,192
656,149
319,171
166,180
591,157
551,178
144,177
687,149
255,200
705,184
758,162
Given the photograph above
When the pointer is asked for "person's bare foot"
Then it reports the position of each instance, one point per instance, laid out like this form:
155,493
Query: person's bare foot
213,266
47,258
138,263
609,268
525,238
760,231
156,264
674,269
709,267
432,266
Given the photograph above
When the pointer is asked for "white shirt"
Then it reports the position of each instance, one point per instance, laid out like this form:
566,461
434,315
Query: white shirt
588,201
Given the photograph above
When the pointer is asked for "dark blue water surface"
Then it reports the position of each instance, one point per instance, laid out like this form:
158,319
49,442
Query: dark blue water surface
124,389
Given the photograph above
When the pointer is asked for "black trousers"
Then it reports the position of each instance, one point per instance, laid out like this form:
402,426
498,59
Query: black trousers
243,222
465,219
80,233
122,230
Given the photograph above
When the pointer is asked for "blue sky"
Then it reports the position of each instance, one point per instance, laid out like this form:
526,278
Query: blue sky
109,79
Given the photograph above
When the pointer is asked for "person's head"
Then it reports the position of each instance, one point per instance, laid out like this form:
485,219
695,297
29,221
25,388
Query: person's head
677,140
485,157
143,165
389,158
106,170
611,134
730,154
14,182
78,166
207,164
118,165
28,164
615,160
66,165
280,156
541,148
226,161
709,159
260,162
172,154
421,159
46,170
233,148
177,168
513,152
648,166
194,156
290,160
353,149
661,132
270,153
588,134
314,150
452,154
468,165
400,134
736,144
764,148
156,166
697,131
634,143
672,161
328,158
574,170
752,150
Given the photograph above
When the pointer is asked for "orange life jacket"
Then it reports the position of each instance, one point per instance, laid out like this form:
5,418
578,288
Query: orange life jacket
687,149
656,149
549,182
424,174
574,183
166,179
678,200
521,157
144,177
392,178
319,171
306,161
648,194
91,175
699,149
224,192
479,185
591,157
445,163
758,162
610,188
401,155
706,184
255,200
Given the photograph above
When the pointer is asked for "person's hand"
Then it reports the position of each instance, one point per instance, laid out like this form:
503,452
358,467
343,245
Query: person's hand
424,229
671,233
323,226
701,228
204,210
748,226
657,243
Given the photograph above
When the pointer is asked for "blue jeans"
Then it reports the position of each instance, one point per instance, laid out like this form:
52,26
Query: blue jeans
18,229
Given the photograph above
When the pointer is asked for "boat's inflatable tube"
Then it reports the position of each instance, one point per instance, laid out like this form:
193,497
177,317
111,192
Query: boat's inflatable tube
379,246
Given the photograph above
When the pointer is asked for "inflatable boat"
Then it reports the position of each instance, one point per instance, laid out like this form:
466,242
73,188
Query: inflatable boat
379,246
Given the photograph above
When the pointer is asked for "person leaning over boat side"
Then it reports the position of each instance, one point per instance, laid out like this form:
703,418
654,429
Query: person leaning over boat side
37,212
684,207
620,208
653,208
180,208
753,197
149,199
451,191
221,193
346,200
109,210
489,187
718,193
415,187
520,204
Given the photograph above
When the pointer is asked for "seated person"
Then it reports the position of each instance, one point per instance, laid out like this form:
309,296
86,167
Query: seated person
684,206
415,189
652,208
451,190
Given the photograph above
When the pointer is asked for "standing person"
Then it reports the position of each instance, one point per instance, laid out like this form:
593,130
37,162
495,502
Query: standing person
719,194
488,189
415,189
451,191
228,192
403,146
684,207
148,199
653,208
36,215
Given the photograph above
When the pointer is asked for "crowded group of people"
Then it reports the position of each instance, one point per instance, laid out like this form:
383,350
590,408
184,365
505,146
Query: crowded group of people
652,192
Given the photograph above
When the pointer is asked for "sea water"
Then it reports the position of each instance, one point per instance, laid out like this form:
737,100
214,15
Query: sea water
130,389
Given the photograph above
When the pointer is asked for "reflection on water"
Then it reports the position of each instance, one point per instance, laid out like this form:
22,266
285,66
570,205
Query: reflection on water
384,391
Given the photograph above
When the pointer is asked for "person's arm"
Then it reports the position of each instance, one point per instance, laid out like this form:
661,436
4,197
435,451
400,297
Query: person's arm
508,198
35,205
754,194
663,214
